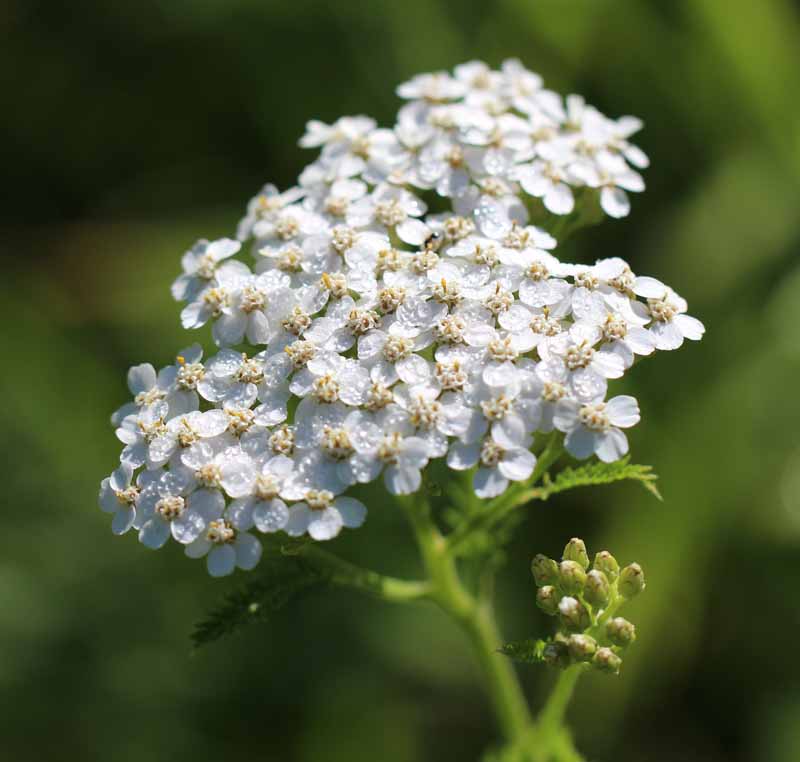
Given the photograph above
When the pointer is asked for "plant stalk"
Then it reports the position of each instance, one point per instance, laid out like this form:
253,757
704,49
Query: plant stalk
551,719
387,588
476,618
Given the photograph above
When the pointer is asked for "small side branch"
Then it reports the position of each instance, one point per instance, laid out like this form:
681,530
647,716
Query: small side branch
345,574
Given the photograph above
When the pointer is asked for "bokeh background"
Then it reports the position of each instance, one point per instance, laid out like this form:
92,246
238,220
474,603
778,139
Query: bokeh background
128,130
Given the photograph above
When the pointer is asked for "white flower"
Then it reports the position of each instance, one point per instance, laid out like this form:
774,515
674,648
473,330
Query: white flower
395,209
527,238
500,458
374,335
256,302
509,407
137,430
443,166
395,451
434,88
232,376
549,182
328,378
265,206
613,176
336,201
218,465
625,339
264,508
119,496
175,385
671,325
171,509
322,515
390,357
183,431
576,363
225,548
524,89
595,427
203,264
436,415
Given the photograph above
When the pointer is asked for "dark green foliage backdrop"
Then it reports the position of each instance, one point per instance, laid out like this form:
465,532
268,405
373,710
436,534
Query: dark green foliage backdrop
130,129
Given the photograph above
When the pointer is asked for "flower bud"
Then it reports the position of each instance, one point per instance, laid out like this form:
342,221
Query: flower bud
573,614
607,564
571,577
556,654
576,551
596,590
631,580
607,661
581,647
547,598
620,631
545,570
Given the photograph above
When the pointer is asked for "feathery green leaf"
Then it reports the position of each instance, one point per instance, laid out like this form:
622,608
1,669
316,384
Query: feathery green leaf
530,651
281,579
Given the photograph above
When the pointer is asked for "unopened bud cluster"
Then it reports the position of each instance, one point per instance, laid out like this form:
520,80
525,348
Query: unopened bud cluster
585,601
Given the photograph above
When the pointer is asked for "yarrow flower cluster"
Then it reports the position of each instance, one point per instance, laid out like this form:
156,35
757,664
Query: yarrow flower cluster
362,333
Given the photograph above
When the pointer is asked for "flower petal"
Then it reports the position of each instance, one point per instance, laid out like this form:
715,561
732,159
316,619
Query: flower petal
221,560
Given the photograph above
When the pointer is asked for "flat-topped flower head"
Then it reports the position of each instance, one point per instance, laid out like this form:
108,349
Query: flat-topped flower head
403,303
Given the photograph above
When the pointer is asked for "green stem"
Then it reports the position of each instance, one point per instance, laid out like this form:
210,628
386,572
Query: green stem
476,618
551,718
550,723
365,580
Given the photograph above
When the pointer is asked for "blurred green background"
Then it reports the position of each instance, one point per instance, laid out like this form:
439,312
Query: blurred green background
131,129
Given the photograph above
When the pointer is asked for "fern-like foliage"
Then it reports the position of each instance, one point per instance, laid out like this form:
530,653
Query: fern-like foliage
529,651
591,474
282,577
482,520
